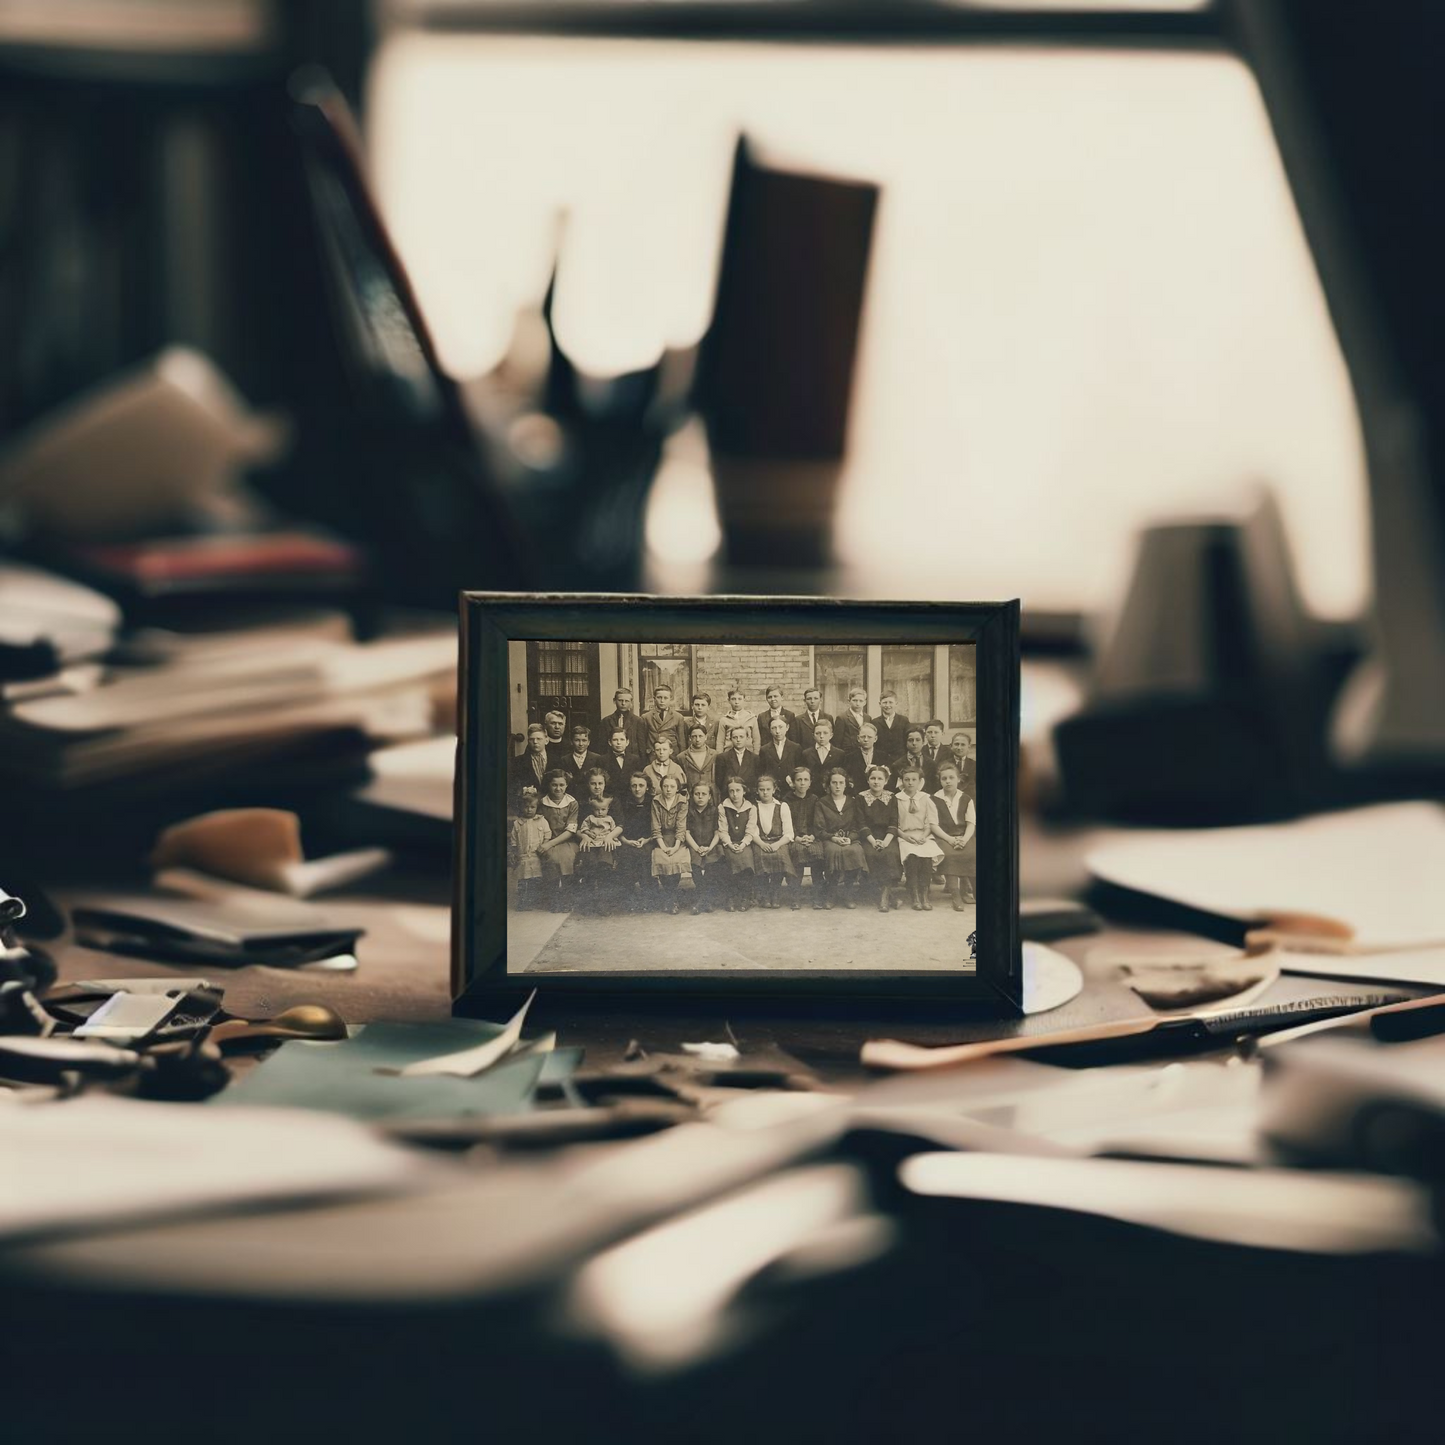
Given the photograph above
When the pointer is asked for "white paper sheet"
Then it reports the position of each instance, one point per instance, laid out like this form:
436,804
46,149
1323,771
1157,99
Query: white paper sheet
1373,869
1265,1208
97,1162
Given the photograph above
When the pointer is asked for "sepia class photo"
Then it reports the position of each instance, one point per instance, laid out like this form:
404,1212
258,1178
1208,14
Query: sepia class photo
712,806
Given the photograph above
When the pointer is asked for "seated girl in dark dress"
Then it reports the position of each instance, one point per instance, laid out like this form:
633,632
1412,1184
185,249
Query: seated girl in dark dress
807,839
705,844
840,822
634,854
879,837
738,820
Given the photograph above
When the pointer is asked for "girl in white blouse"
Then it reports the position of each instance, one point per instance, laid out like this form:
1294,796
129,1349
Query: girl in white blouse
772,840
737,829
957,818
918,834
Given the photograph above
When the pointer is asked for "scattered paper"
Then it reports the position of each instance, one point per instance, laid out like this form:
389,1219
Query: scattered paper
363,1076
1265,1208
98,1162
1191,1109
140,985
1361,873
713,1053
468,1063
660,1299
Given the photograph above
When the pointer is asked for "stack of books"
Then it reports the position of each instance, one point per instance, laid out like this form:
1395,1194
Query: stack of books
217,701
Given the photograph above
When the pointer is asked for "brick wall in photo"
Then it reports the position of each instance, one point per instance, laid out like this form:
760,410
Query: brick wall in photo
753,668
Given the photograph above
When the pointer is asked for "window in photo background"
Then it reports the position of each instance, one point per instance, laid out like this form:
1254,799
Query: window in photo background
666,664
836,669
908,671
962,686
562,677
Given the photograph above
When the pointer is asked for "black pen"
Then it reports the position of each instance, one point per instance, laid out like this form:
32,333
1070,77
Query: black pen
1198,1033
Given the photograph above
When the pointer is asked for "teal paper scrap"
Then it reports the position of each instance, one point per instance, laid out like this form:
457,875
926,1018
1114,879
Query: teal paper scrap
356,1076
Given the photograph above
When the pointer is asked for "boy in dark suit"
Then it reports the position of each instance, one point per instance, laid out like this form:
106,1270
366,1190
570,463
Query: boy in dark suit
847,724
525,774
914,758
934,752
892,728
805,725
859,759
961,743
701,713
779,755
624,717
579,761
619,762
822,757
736,762
662,721
775,709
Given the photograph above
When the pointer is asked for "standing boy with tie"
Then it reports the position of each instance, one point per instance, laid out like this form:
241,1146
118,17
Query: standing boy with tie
967,768
860,759
773,711
738,716
892,728
662,721
702,713
780,755
620,761
914,755
848,724
933,744
737,762
662,766
623,717
805,725
580,761
822,757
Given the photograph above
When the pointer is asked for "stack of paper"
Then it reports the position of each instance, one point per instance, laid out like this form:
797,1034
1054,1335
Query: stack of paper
222,705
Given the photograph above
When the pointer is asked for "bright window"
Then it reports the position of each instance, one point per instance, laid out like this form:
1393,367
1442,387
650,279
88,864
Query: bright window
908,671
835,670
1090,303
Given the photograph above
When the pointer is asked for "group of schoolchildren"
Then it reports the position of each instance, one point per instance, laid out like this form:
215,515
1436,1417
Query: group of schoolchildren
742,804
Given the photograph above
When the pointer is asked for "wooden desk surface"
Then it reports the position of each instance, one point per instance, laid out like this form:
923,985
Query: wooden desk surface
1007,1323
404,976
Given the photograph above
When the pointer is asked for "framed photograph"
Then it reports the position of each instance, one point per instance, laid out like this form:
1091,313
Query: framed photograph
752,796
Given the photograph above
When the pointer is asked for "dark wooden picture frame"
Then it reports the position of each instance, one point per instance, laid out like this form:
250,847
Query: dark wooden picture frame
492,620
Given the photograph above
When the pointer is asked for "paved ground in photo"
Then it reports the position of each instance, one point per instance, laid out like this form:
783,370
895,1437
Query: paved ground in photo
842,938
